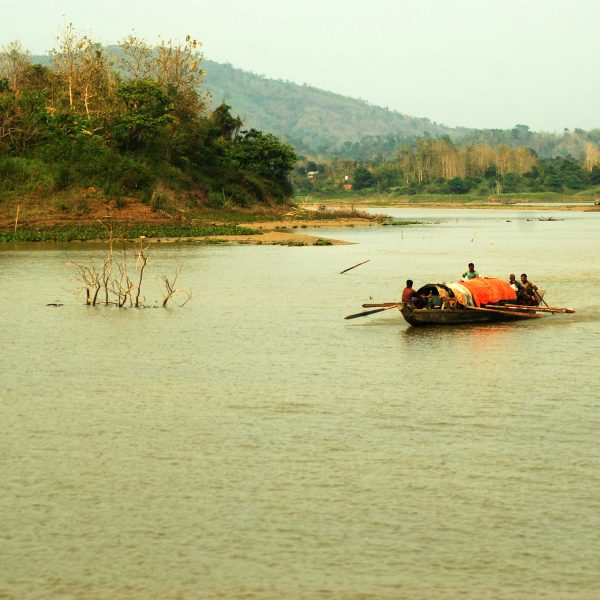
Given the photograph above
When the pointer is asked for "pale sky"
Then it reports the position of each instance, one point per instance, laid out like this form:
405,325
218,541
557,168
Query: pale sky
476,63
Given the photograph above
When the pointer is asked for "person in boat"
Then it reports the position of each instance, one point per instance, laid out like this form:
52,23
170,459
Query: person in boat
528,294
514,284
471,273
408,293
410,296
434,300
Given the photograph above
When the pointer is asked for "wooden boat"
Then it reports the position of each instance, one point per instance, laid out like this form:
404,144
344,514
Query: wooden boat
460,315
479,300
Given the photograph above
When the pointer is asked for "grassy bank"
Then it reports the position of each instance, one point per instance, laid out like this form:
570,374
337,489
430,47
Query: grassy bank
88,214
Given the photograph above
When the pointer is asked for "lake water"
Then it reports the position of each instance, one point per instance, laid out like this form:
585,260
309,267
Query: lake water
254,444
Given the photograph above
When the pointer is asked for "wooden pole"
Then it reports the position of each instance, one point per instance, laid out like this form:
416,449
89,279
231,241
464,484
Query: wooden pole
551,309
17,217
354,267
539,297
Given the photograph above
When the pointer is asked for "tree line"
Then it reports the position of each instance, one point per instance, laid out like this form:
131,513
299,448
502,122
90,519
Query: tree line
441,166
130,120
376,146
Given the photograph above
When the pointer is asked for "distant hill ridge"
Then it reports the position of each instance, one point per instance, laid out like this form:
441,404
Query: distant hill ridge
323,124
311,118
308,117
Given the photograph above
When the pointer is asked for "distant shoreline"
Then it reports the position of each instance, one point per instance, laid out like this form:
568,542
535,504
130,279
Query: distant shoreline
288,231
382,204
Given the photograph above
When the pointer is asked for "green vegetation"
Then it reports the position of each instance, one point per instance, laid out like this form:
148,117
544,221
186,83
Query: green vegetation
93,231
432,168
131,123
323,214
89,128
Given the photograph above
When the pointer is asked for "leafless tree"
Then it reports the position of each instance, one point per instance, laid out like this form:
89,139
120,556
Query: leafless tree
142,260
592,156
14,60
171,290
114,277
89,278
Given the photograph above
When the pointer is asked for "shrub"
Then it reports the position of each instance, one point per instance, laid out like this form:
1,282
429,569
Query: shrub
215,200
25,175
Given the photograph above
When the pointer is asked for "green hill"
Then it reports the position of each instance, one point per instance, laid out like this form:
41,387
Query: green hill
313,120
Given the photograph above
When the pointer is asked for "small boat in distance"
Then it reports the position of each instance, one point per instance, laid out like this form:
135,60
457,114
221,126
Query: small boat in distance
479,300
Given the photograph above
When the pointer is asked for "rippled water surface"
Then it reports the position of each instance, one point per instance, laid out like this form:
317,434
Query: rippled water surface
254,444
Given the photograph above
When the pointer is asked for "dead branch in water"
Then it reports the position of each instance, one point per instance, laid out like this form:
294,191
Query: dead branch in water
90,282
122,284
113,277
142,260
171,290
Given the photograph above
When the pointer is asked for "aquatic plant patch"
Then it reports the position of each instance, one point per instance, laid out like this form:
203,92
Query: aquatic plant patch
99,232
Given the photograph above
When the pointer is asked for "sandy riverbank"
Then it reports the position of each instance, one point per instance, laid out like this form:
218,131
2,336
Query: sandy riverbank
286,233
288,230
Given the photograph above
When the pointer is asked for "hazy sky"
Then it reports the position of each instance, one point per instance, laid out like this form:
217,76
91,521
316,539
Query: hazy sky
477,63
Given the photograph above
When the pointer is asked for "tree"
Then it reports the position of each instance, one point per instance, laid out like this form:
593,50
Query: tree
23,120
83,73
175,67
135,59
553,182
178,65
37,78
227,125
362,178
592,156
265,155
14,60
510,182
458,185
146,110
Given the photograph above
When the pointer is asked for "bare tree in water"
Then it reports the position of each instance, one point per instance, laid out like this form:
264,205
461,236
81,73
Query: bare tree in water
122,284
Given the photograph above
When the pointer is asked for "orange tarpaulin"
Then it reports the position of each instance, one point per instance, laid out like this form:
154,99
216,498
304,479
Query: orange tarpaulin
486,290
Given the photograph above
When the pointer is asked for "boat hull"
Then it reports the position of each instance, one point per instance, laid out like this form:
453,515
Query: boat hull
422,317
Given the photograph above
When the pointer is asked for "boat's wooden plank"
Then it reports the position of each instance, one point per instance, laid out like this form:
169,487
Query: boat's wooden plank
382,305
512,313
552,309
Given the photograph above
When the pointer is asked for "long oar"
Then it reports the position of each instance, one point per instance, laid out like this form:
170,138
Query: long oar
370,312
354,266
539,297
380,304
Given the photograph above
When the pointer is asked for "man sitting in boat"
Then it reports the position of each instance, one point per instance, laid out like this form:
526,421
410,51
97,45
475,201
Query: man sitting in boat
434,300
408,292
410,296
528,293
471,273
514,284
